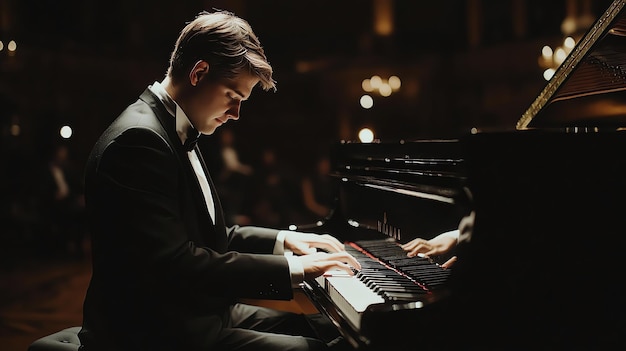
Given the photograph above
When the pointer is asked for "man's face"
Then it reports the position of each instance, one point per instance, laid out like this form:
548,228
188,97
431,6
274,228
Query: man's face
213,103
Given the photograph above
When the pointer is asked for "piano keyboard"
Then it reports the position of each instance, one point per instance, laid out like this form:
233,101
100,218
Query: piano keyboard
386,275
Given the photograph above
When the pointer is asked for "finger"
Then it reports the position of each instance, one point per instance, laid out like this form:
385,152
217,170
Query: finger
334,243
449,262
308,243
341,266
431,252
421,248
346,258
327,243
411,245
306,250
413,252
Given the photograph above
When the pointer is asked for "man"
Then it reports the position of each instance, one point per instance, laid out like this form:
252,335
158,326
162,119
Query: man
167,272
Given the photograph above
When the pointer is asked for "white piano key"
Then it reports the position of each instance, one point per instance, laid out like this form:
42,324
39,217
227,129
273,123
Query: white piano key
349,294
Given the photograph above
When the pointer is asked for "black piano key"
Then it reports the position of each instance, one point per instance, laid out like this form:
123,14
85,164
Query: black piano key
426,275
396,288
390,283
389,272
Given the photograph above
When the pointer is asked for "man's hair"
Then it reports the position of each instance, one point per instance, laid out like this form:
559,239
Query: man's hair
227,43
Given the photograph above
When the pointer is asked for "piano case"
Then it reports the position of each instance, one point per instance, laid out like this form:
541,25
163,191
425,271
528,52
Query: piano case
539,262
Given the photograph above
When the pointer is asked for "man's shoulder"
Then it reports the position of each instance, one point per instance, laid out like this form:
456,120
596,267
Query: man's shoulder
138,124
140,117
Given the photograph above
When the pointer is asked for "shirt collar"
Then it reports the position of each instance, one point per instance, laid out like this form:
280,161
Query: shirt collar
183,125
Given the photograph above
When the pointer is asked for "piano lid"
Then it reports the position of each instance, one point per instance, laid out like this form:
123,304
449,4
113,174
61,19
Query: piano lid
588,90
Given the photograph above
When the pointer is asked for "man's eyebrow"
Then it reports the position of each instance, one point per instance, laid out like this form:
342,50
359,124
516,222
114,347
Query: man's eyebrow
240,94
237,92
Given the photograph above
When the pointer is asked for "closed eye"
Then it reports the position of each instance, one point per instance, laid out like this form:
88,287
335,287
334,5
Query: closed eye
234,98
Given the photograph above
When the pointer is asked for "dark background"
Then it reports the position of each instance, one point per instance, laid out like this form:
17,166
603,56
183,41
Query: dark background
463,65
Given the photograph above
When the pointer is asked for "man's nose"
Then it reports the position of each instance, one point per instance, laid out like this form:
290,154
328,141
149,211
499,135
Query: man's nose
233,112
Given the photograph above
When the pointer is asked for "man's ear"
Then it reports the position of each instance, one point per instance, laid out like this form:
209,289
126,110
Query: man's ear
199,70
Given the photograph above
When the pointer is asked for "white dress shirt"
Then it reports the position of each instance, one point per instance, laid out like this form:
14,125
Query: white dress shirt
182,126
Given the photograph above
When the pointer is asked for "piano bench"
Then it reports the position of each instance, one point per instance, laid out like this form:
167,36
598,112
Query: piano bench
64,340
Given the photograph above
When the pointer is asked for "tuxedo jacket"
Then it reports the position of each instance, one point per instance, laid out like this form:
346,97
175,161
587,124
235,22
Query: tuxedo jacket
163,273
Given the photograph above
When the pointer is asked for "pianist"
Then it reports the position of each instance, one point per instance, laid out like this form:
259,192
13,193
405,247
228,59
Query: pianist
167,272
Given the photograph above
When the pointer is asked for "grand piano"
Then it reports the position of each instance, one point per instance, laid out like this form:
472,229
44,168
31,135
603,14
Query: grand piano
541,210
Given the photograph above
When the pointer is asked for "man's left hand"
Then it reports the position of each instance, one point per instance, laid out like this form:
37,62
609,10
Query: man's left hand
308,243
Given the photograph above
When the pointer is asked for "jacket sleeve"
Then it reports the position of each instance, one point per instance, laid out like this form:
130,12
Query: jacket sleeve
252,239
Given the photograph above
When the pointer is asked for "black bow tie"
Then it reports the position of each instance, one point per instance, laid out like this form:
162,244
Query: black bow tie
192,139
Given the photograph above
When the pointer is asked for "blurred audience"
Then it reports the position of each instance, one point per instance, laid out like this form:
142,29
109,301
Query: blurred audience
62,208
318,193
230,157
269,192
273,203
233,180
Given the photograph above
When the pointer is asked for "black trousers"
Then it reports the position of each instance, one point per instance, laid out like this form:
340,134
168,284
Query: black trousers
257,328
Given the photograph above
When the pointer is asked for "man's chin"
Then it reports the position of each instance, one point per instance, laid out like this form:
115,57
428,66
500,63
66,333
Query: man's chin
208,130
